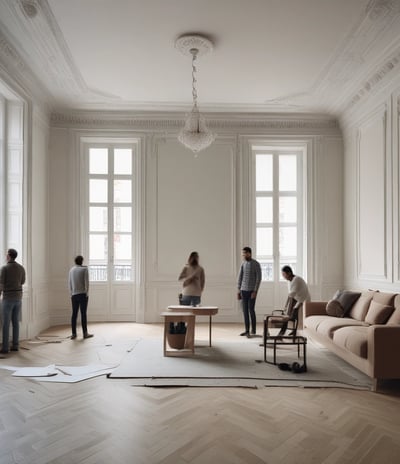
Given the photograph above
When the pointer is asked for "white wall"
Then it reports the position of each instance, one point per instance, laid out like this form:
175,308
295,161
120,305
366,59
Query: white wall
200,204
372,192
38,225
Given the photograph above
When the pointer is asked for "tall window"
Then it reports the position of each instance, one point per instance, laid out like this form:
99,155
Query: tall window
11,173
110,208
278,210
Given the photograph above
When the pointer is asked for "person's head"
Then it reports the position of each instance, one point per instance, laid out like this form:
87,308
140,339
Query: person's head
79,260
193,258
12,254
246,253
287,273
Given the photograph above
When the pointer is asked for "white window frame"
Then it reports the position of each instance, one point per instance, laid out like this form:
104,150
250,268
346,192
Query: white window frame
12,174
110,144
276,150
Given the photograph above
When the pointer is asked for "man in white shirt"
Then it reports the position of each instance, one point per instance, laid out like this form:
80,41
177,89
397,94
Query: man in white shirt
298,294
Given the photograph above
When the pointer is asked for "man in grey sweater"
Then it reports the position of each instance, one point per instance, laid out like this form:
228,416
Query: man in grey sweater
249,280
78,283
12,278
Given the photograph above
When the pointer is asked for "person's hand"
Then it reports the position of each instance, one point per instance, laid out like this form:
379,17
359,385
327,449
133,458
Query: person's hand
253,295
239,296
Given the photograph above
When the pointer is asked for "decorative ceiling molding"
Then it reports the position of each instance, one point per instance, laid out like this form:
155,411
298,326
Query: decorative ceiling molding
29,8
370,85
45,53
378,9
9,54
351,63
174,122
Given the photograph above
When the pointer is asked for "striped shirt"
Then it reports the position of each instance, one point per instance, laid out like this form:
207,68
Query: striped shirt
249,278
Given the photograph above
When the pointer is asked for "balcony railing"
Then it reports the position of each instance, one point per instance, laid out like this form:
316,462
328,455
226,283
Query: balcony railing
99,272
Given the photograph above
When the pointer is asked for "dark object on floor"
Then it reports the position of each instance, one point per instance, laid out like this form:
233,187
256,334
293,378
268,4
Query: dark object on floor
295,367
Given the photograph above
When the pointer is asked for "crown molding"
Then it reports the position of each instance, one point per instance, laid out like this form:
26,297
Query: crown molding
174,121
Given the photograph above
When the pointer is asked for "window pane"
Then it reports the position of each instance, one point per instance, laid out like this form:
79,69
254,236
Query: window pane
98,247
98,191
264,173
122,161
287,209
267,269
287,172
122,219
122,191
264,241
98,219
98,161
122,248
264,209
288,241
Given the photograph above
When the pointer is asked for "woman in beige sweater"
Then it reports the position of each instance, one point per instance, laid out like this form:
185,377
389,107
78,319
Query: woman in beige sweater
193,280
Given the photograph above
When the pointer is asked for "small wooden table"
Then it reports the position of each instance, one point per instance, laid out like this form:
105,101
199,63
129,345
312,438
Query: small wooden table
198,311
189,319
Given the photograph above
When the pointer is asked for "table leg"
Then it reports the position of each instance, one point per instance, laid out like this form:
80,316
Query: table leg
209,337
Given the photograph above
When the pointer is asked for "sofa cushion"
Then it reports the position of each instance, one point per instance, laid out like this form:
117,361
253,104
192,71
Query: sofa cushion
384,298
346,298
334,308
360,308
329,324
394,319
313,322
354,339
378,313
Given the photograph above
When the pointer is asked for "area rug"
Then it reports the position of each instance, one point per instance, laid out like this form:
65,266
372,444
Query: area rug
235,364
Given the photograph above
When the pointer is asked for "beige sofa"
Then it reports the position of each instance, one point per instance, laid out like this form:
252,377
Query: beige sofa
368,337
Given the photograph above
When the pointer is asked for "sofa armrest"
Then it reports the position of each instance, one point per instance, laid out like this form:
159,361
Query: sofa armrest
314,308
383,351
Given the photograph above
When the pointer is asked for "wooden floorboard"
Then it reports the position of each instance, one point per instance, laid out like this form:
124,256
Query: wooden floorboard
108,421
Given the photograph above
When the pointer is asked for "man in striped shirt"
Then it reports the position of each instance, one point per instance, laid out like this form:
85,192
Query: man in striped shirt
249,280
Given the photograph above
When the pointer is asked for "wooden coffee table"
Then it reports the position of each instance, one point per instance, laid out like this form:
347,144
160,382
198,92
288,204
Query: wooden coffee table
209,311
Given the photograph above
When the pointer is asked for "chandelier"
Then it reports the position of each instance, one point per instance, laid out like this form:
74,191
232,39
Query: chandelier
195,134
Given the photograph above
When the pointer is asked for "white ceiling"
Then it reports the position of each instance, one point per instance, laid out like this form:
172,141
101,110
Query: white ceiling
280,55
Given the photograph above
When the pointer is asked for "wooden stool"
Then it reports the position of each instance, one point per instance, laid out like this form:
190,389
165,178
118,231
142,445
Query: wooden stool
189,320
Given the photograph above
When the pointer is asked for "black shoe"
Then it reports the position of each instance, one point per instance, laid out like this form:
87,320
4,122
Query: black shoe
88,336
4,352
73,336
244,334
248,335
253,333
15,348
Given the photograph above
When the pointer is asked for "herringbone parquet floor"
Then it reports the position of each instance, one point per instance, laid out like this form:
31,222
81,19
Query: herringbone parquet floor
108,421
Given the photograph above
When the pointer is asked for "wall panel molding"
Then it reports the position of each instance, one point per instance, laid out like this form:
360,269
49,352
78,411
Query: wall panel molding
373,199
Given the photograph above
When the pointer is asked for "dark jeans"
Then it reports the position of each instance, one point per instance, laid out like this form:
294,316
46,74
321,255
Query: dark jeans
188,300
79,301
248,305
11,312
293,313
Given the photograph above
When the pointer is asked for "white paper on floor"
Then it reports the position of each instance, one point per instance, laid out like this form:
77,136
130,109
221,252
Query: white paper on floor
55,373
